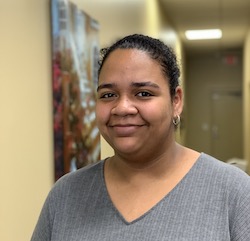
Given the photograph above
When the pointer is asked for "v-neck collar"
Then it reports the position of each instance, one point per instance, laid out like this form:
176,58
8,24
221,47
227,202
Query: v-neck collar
172,192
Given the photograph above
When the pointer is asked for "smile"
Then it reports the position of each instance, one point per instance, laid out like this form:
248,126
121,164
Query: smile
125,130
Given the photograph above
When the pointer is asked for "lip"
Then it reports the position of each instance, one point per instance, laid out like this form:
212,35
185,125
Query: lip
125,130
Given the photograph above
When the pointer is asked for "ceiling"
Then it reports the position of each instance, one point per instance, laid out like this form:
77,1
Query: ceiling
231,16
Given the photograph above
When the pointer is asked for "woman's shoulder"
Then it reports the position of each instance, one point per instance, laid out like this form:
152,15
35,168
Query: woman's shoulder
223,173
80,178
207,160
231,185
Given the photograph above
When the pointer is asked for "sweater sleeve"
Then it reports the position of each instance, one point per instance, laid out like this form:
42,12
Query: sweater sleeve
240,226
44,227
42,231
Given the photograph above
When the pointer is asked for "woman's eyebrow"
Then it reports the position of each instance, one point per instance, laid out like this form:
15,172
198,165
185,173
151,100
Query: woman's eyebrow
143,84
133,84
105,86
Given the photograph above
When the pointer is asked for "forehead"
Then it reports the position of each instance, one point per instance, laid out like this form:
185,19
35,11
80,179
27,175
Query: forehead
129,54
124,66
128,60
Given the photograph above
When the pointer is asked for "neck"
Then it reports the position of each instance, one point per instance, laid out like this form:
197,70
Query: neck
156,166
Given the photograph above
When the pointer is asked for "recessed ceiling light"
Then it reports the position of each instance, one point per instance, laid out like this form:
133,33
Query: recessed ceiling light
203,34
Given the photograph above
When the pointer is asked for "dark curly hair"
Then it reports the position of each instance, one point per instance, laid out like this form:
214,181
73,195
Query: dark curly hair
155,48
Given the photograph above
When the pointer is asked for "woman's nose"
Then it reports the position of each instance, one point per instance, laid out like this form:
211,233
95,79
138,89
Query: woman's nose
124,106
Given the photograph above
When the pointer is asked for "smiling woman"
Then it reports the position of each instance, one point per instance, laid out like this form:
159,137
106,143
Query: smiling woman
152,188
135,103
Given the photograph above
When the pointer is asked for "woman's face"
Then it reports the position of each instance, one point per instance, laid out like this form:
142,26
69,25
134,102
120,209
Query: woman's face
134,109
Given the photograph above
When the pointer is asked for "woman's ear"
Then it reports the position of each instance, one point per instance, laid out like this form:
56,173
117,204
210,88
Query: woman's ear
178,101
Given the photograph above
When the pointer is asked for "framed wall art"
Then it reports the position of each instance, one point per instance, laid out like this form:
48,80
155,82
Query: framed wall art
75,53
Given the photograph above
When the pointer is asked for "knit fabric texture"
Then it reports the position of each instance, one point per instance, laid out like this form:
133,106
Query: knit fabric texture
211,203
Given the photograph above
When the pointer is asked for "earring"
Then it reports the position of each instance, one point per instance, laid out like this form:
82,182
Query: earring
176,120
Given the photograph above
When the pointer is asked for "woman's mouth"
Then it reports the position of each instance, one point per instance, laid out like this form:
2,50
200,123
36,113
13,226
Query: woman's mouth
124,130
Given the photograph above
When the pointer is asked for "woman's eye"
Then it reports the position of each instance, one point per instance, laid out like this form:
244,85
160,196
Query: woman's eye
144,94
107,95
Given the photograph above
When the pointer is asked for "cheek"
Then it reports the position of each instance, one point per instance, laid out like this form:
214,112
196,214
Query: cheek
158,114
102,114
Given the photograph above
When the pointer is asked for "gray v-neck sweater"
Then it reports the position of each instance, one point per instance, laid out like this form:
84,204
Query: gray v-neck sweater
211,203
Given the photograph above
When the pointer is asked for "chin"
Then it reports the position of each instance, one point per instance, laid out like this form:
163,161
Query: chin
125,149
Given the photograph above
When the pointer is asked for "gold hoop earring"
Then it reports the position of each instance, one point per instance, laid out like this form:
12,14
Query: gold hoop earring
176,120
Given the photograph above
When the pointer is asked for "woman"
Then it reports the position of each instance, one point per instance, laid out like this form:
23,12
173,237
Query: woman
152,188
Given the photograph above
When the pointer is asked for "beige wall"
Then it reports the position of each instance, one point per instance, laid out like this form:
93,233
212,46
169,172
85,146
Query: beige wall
25,107
246,100
26,164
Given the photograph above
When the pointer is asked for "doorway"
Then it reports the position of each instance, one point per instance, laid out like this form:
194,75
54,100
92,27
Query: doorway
226,124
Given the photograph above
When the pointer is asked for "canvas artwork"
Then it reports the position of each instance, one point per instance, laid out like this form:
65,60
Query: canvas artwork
75,53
